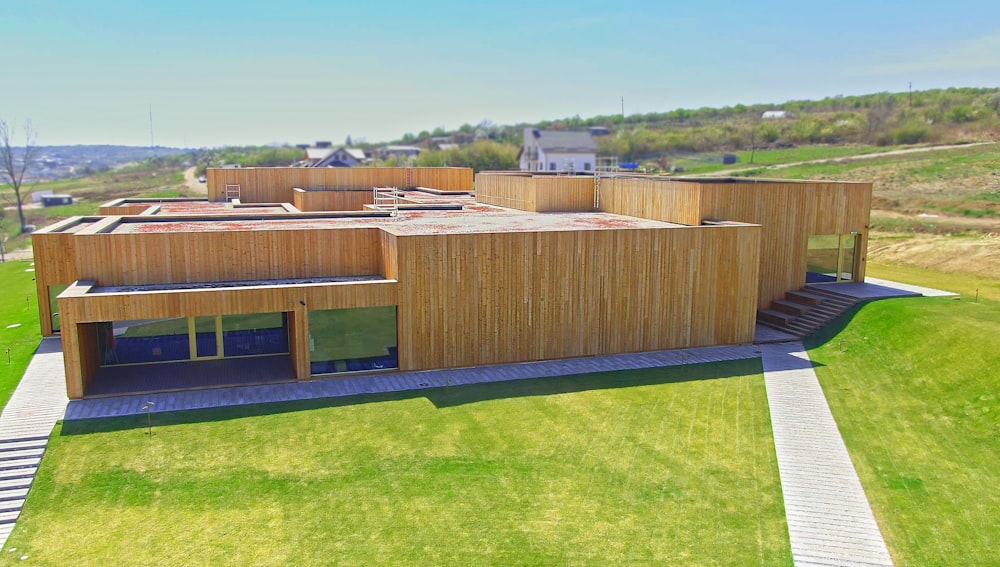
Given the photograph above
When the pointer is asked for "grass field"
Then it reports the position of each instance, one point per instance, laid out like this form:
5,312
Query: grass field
17,307
663,466
90,192
913,385
763,158
960,181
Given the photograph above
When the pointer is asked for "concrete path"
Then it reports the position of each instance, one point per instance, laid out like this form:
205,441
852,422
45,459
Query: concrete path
830,522
25,425
399,382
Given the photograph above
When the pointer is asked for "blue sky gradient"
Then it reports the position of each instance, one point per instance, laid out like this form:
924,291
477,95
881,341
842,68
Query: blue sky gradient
260,72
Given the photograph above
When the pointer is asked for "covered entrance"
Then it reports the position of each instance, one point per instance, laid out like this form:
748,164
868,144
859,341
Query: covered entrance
191,352
832,258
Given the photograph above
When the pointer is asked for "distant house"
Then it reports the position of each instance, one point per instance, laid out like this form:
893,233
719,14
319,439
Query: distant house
386,152
557,150
775,114
342,157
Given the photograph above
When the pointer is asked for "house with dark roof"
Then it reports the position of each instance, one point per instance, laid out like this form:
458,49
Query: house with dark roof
557,150
342,157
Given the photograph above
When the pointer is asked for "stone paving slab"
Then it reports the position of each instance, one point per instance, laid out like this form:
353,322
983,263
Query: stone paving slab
403,381
830,521
26,423
924,291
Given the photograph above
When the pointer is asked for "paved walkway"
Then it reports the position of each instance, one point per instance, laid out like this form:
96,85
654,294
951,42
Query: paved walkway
829,519
25,425
398,382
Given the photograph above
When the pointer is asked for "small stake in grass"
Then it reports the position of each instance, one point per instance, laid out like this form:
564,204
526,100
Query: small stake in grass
977,295
149,416
8,357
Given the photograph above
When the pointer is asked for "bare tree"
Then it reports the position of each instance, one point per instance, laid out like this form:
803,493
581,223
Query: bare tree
15,163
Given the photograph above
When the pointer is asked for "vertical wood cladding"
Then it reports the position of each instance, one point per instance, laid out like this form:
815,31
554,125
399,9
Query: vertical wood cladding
182,257
467,299
790,212
275,184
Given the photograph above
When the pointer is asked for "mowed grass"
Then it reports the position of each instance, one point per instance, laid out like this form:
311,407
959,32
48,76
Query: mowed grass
19,331
660,466
913,385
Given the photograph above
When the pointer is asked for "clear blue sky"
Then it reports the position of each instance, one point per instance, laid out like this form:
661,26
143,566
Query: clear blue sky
298,71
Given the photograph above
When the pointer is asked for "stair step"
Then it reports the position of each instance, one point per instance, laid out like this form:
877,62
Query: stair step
27,472
21,454
9,517
13,483
6,446
790,307
804,297
12,494
44,438
11,505
774,316
13,464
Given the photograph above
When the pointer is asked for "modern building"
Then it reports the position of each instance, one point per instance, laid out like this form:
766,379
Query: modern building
305,274
557,150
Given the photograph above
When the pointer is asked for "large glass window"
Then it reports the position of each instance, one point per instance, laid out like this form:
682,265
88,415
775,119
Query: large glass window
260,333
351,340
169,340
831,258
136,342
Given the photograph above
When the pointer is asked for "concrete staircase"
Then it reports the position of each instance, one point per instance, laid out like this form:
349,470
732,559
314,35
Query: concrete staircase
19,459
805,311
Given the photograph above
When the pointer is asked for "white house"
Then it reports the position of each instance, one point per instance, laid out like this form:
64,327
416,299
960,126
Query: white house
557,150
775,114
342,157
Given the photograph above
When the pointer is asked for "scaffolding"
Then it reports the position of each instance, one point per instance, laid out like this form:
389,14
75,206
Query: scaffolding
606,167
386,199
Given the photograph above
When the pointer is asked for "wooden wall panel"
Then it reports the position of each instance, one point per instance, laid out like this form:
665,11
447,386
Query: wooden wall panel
469,299
125,209
55,265
661,200
144,258
332,199
512,191
790,212
563,194
275,184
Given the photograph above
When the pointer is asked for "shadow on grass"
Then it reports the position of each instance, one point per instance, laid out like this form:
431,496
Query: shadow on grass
441,397
835,327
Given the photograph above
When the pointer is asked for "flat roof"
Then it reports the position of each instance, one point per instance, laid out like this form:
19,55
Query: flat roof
478,219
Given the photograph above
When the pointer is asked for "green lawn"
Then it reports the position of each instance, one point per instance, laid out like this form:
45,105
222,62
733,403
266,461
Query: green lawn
18,306
663,466
763,158
913,384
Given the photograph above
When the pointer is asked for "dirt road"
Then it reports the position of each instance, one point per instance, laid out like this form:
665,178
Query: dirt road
841,159
192,183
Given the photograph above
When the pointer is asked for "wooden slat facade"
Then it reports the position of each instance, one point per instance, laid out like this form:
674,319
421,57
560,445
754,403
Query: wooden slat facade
275,184
332,199
789,211
539,194
183,257
468,299
667,201
81,309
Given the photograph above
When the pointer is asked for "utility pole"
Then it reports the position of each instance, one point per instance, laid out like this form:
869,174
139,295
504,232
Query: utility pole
911,94
623,110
